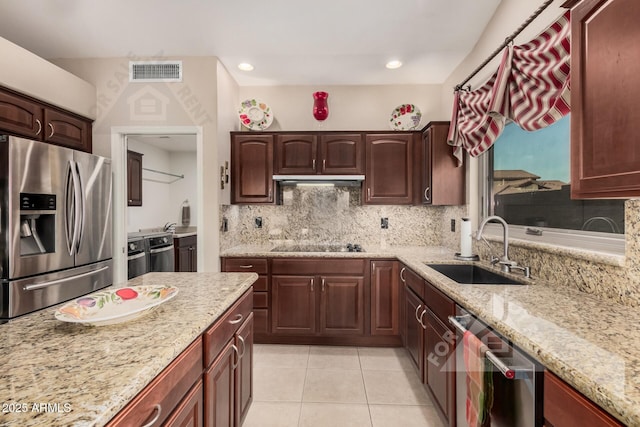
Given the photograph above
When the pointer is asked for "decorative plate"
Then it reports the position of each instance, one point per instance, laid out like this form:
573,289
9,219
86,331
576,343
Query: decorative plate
255,114
115,305
405,117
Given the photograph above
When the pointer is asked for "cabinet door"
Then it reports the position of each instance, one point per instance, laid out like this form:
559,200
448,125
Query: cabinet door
605,119
414,340
244,370
296,154
341,305
293,304
219,389
442,181
190,412
566,407
439,364
134,178
389,169
342,154
385,319
67,130
20,116
252,169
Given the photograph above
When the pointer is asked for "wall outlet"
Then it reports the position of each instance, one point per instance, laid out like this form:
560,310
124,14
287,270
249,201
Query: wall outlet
384,223
225,225
258,221
453,225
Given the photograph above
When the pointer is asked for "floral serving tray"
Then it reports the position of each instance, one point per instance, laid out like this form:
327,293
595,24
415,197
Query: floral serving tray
255,114
112,306
405,117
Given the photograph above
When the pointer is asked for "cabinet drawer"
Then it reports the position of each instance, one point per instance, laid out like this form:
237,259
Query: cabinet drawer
166,390
217,336
413,281
185,241
439,303
261,284
260,300
317,266
255,265
564,406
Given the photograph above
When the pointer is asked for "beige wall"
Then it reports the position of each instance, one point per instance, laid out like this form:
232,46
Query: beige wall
27,73
350,107
192,102
228,102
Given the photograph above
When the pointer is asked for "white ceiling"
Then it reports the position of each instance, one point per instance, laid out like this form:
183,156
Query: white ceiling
289,42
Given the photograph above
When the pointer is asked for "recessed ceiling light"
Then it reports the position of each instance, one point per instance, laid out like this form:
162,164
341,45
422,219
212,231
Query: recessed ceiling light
392,65
245,66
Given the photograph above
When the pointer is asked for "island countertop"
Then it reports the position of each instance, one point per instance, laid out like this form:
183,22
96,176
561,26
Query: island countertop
591,343
66,374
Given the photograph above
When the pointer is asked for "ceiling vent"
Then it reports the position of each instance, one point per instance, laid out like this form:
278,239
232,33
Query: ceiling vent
155,71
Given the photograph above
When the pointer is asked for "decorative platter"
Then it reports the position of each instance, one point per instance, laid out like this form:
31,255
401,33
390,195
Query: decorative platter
405,117
255,114
112,306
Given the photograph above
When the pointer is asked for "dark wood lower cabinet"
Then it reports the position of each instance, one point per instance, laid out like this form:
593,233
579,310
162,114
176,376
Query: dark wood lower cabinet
385,304
293,304
341,305
190,413
414,336
439,365
244,370
219,389
186,254
566,407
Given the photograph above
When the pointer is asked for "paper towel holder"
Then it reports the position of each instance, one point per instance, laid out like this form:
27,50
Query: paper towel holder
465,253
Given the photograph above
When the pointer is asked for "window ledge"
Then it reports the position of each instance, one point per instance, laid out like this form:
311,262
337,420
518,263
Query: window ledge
593,247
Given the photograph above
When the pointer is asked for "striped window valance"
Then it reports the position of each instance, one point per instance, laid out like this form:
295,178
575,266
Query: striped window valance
531,87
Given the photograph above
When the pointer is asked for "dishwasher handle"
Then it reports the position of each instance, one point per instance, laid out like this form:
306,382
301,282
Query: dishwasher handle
508,372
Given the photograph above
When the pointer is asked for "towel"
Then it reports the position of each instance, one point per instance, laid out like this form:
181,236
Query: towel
479,381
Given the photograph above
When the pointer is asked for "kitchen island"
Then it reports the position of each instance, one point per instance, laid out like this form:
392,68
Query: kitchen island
66,374
590,343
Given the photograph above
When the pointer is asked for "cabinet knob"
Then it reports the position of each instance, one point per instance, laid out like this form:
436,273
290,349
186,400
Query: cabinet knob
52,130
401,275
39,123
426,194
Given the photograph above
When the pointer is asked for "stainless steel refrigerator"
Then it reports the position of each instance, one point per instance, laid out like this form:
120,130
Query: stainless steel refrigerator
55,224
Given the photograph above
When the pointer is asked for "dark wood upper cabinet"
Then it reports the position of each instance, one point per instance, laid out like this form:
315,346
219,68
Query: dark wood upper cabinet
319,153
296,154
252,168
605,120
20,116
389,169
442,181
29,118
342,154
66,130
134,178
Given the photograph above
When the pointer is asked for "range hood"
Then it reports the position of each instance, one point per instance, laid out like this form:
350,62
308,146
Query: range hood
338,180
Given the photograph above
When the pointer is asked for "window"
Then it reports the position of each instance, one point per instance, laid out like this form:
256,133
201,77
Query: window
528,184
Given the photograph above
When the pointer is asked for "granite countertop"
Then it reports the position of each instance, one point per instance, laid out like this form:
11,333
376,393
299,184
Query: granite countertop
591,343
86,375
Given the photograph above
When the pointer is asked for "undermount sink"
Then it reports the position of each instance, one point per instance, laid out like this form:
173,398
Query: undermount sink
472,274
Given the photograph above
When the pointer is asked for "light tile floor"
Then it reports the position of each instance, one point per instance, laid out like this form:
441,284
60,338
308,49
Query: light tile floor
317,386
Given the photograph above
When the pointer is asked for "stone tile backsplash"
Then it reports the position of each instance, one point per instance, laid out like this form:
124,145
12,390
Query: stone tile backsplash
335,215
331,215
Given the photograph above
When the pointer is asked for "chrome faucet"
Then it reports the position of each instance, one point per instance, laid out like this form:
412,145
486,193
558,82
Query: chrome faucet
506,264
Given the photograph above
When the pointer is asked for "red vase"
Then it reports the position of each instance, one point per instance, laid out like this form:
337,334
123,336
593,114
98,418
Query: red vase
320,107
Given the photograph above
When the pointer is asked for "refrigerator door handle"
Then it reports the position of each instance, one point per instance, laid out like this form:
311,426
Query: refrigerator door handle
80,208
66,279
69,209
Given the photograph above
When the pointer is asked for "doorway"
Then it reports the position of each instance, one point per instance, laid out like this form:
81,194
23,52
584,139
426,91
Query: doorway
159,138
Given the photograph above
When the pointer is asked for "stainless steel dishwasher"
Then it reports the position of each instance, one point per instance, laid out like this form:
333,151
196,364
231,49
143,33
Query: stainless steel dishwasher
161,253
517,379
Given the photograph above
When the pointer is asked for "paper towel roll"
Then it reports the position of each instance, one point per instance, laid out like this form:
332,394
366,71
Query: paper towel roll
465,238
